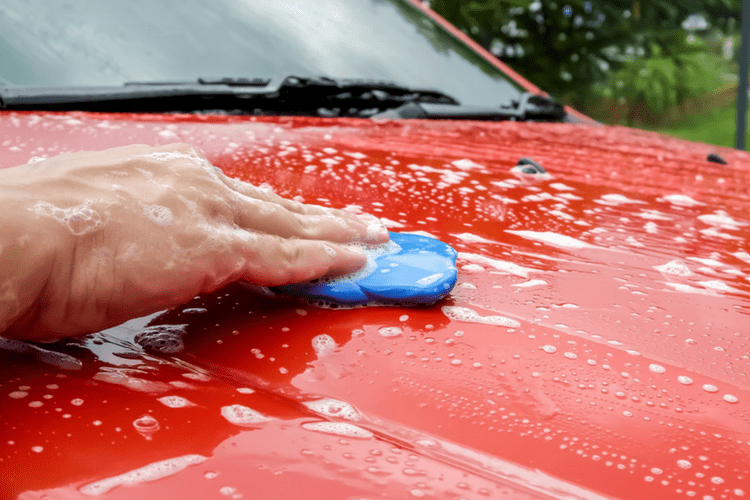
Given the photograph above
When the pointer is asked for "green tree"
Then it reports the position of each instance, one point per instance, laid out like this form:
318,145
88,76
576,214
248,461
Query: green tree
580,50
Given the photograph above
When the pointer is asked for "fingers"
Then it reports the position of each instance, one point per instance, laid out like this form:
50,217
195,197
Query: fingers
313,221
271,218
273,261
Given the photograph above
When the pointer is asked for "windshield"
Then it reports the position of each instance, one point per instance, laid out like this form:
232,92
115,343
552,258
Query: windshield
110,42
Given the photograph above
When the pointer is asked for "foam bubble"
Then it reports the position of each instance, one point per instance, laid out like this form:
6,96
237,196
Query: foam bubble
680,200
722,220
729,398
500,265
371,252
674,267
465,314
165,339
554,239
151,472
466,164
339,429
530,283
242,415
175,402
390,331
616,199
123,377
323,344
80,219
159,215
472,238
334,408
472,268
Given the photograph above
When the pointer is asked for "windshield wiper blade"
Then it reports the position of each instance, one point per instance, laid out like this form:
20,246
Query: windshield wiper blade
529,107
319,96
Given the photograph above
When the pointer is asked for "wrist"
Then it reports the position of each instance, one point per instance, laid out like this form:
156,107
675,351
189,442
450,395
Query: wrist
28,247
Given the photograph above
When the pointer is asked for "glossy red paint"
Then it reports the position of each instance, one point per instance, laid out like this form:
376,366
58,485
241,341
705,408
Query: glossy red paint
621,371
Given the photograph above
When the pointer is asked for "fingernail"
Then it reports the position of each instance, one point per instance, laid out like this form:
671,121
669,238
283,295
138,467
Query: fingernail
368,218
356,249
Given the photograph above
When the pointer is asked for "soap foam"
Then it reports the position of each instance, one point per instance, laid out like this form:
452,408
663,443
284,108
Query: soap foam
334,408
151,472
554,239
500,265
80,219
674,267
159,215
680,200
175,402
323,344
242,415
372,252
467,315
166,339
338,428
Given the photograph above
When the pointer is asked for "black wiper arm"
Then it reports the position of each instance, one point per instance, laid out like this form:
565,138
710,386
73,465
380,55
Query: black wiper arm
290,95
529,107
537,107
362,89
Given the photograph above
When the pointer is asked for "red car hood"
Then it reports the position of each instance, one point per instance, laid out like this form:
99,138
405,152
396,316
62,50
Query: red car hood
622,274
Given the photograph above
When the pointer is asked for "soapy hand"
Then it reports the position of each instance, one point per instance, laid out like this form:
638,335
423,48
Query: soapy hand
89,240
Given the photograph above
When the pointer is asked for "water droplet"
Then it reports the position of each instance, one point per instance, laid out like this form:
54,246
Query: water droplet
146,426
570,355
549,349
657,368
683,379
710,388
730,398
684,464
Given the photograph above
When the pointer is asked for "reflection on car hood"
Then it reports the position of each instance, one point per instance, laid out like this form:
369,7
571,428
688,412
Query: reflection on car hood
626,265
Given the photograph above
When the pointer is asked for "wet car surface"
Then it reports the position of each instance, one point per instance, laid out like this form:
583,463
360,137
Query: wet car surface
595,346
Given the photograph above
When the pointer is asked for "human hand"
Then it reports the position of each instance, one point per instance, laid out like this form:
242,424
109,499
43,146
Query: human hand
93,239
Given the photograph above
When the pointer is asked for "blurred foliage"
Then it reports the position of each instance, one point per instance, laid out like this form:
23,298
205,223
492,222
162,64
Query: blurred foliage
582,51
